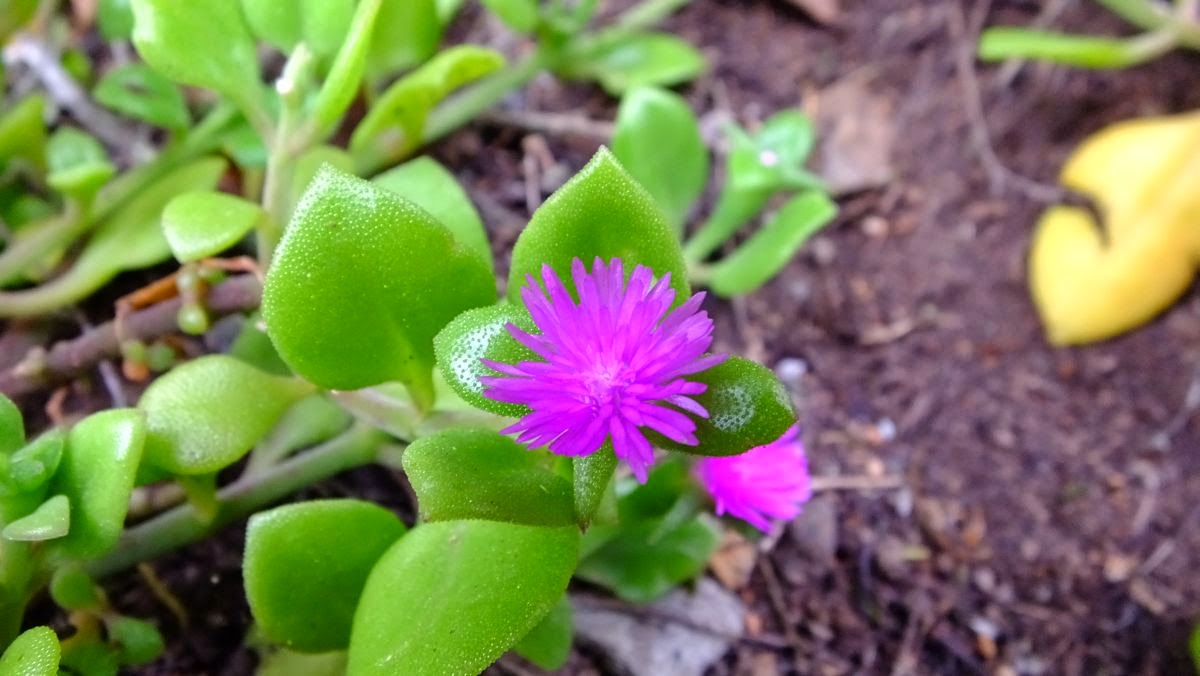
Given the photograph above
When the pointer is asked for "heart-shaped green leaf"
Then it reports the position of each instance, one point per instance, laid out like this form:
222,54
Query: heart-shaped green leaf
766,253
320,24
406,33
430,186
33,653
49,521
548,645
142,93
405,105
362,282
451,597
603,212
97,474
77,163
12,426
204,415
480,474
658,140
202,224
747,407
204,43
476,335
306,565
634,60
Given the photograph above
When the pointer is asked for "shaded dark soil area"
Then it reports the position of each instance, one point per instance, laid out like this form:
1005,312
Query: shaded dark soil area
1039,529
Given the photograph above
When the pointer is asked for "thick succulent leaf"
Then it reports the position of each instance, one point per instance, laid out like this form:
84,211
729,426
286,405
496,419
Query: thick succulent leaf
362,282
766,253
204,415
602,212
637,60
346,74
97,474
306,565
476,335
33,653
140,92
747,407
406,104
320,24
78,165
548,645
640,562
204,43
406,33
480,474
23,131
592,474
452,597
430,186
12,426
204,223
50,521
658,140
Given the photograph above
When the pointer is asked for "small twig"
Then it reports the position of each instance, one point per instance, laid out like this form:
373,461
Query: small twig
551,124
860,482
163,594
999,175
36,55
108,372
72,358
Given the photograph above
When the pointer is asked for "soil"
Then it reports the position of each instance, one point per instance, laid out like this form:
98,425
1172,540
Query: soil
1040,528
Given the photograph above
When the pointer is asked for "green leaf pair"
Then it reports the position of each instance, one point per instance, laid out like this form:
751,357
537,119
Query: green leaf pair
658,138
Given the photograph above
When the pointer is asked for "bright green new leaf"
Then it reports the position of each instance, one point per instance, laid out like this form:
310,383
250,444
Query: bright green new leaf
204,415
78,165
12,426
637,60
33,653
519,15
766,253
306,565
72,588
747,407
406,104
142,93
362,282
407,33
774,157
603,212
23,132
480,474
321,24
548,645
115,19
346,73
204,43
13,15
31,467
452,597
97,474
137,641
658,140
481,334
201,224
430,186
49,521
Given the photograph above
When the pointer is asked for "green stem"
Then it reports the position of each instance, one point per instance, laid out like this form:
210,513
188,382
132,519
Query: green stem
56,231
183,525
1140,13
733,209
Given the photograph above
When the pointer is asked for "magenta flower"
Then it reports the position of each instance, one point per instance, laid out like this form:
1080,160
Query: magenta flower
615,362
764,483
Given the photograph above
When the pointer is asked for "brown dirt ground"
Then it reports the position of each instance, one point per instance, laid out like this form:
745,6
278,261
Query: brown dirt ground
1040,528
